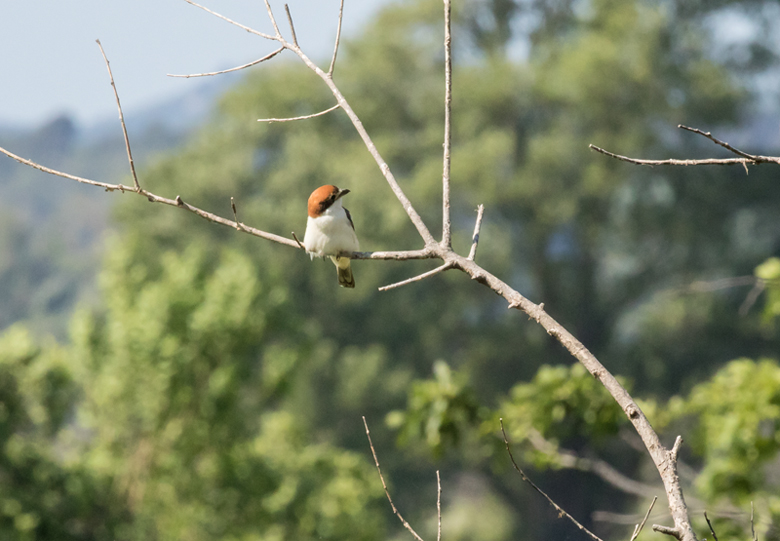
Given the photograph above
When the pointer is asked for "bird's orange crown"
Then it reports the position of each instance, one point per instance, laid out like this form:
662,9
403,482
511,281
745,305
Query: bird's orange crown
322,198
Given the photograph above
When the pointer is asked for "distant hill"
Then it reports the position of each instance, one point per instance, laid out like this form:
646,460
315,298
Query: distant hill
52,229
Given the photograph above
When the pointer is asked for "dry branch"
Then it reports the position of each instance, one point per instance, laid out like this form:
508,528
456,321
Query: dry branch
446,228
744,159
121,118
384,485
525,478
638,527
269,56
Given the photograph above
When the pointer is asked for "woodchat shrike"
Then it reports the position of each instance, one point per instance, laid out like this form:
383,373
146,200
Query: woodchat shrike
329,230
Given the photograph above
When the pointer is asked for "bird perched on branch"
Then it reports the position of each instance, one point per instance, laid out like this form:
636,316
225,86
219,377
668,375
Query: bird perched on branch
329,230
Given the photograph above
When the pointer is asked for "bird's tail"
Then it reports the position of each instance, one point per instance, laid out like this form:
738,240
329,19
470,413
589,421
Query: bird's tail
344,271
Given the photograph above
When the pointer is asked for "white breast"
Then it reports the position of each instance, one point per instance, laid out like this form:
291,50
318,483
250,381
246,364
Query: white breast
330,233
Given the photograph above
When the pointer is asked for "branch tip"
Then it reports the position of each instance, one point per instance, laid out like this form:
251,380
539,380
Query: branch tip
292,26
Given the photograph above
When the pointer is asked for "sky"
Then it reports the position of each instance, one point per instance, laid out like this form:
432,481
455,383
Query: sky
51,64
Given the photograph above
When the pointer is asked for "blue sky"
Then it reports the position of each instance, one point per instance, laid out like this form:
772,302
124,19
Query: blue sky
51,64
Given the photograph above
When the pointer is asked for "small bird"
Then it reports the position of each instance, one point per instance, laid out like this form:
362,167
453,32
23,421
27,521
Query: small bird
329,230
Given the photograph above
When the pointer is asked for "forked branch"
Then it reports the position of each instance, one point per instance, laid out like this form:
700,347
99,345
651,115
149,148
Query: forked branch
744,159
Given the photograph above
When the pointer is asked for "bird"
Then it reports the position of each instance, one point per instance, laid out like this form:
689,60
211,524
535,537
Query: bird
330,231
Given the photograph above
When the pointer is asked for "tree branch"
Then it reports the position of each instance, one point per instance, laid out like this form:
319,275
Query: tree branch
525,478
305,117
418,278
121,118
338,38
608,474
475,235
438,505
384,485
744,159
446,231
292,26
638,527
254,62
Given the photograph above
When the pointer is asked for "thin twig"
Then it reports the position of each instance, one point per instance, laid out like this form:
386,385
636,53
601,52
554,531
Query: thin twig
300,244
712,530
239,225
292,26
570,459
305,117
717,141
231,21
121,118
418,278
525,478
752,297
745,159
108,187
438,505
384,485
709,161
253,63
475,235
338,38
638,527
273,21
752,523
674,532
446,233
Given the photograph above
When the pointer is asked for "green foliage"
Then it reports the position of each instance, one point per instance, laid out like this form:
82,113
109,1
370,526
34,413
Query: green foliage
738,435
184,370
561,404
42,496
438,411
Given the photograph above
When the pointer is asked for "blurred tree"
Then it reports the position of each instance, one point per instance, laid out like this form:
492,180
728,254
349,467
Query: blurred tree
46,493
186,372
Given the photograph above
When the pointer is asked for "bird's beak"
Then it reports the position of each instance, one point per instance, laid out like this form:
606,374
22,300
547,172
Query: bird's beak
342,193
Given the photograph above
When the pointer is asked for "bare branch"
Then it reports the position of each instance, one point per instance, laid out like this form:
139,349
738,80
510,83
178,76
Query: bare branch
292,26
525,478
239,226
712,530
638,527
446,227
608,474
475,235
418,278
422,229
752,523
338,38
709,161
121,118
300,244
30,163
752,297
384,485
254,62
744,159
674,532
273,21
305,117
725,145
438,505
231,21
